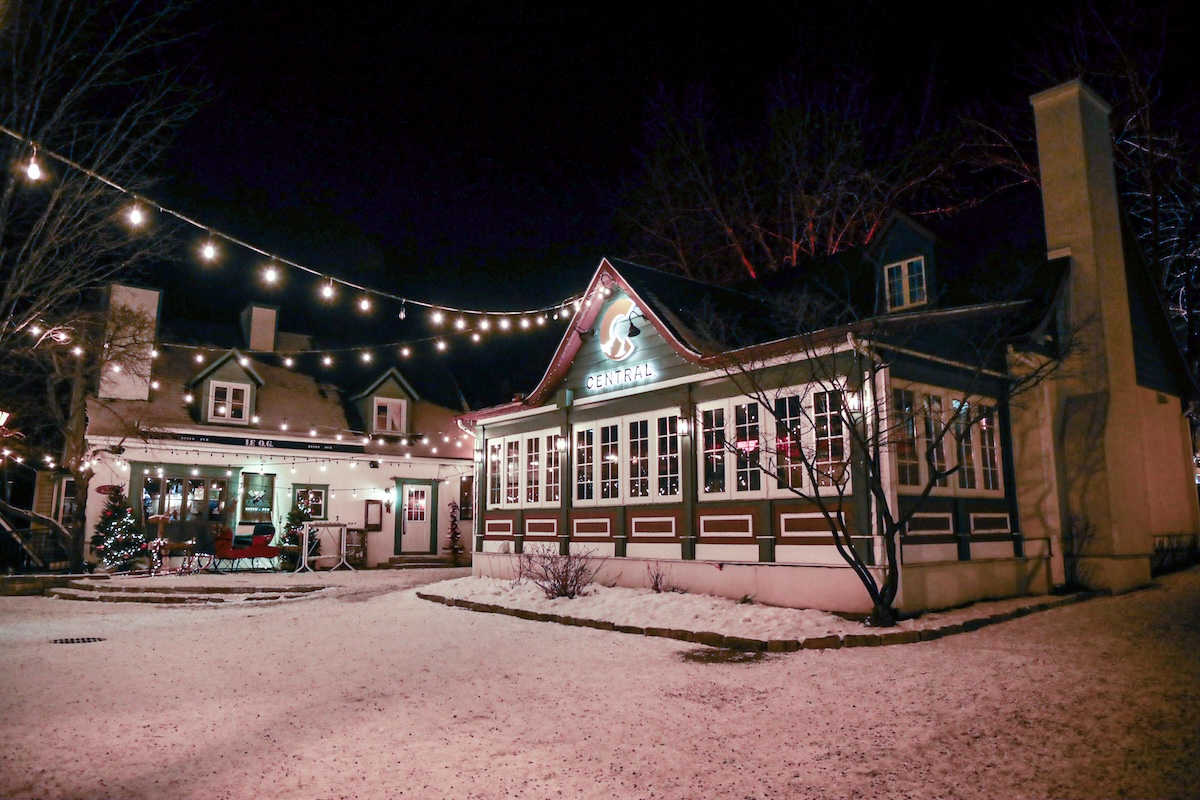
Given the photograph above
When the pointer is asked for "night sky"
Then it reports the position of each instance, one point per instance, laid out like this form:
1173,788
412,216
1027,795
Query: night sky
473,153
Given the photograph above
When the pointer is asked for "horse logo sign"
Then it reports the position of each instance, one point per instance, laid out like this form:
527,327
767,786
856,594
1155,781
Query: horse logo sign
614,330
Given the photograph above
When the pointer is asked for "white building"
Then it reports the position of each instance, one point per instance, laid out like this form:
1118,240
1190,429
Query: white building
213,437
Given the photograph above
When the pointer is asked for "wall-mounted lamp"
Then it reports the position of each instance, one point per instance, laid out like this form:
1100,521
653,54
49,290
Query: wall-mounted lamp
634,330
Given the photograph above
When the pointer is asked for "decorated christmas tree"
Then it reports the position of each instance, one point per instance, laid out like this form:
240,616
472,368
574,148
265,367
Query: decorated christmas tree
455,545
119,539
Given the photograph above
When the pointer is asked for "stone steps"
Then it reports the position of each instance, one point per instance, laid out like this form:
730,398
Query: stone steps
119,586
420,562
112,592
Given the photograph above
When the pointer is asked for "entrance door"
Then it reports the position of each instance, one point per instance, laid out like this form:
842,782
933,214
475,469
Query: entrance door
416,518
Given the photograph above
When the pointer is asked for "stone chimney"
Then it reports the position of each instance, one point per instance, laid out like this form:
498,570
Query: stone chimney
1101,415
259,327
132,380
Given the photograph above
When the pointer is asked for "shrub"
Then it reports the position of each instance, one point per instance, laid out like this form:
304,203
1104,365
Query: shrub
556,574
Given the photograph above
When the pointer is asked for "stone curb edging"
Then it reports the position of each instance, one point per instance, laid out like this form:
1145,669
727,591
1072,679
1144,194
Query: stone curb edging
831,642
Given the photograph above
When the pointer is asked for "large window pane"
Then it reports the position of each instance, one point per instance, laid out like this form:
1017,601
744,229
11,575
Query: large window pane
610,462
554,445
830,460
712,427
746,439
668,456
639,458
904,434
585,464
533,468
789,457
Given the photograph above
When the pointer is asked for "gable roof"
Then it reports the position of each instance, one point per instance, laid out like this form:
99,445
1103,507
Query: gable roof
243,362
393,374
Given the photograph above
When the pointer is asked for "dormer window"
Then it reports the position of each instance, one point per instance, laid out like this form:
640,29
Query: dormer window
906,283
229,402
390,415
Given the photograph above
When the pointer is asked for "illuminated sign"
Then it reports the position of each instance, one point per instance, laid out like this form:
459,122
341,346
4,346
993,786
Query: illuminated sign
614,330
614,378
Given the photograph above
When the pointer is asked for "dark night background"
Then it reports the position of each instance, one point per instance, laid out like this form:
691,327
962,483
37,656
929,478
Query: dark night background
472,154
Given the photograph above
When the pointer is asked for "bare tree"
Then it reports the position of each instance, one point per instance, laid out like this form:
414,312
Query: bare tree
93,86
819,176
1120,51
828,420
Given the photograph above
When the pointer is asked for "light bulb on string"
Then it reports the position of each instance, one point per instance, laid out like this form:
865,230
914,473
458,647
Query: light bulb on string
366,357
364,303
475,337
403,309
327,290
271,274
441,345
208,251
484,324
405,352
327,361
436,317
504,323
33,170
524,322
289,361
541,320
135,215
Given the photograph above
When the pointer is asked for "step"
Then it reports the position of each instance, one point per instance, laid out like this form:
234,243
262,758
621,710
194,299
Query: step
120,586
176,599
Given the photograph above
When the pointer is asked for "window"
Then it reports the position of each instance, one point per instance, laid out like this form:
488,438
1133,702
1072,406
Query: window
494,473
533,467
585,462
789,457
904,434
830,457
555,444
988,454
668,456
712,433
953,436
512,471
311,499
524,470
258,498
228,402
746,443
966,448
935,438
390,415
905,282
639,458
610,462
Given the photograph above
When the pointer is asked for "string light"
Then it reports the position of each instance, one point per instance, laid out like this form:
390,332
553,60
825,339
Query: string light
33,170
289,361
437,317
271,274
136,216
327,290
403,310
504,323
327,361
441,345
208,251
364,304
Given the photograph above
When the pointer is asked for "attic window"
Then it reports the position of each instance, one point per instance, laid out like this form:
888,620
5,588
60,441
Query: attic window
389,415
906,283
228,402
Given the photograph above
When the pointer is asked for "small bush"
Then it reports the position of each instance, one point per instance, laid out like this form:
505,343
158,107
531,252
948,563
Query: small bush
555,574
659,578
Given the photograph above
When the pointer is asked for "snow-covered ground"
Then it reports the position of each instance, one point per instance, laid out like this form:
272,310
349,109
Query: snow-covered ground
367,691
